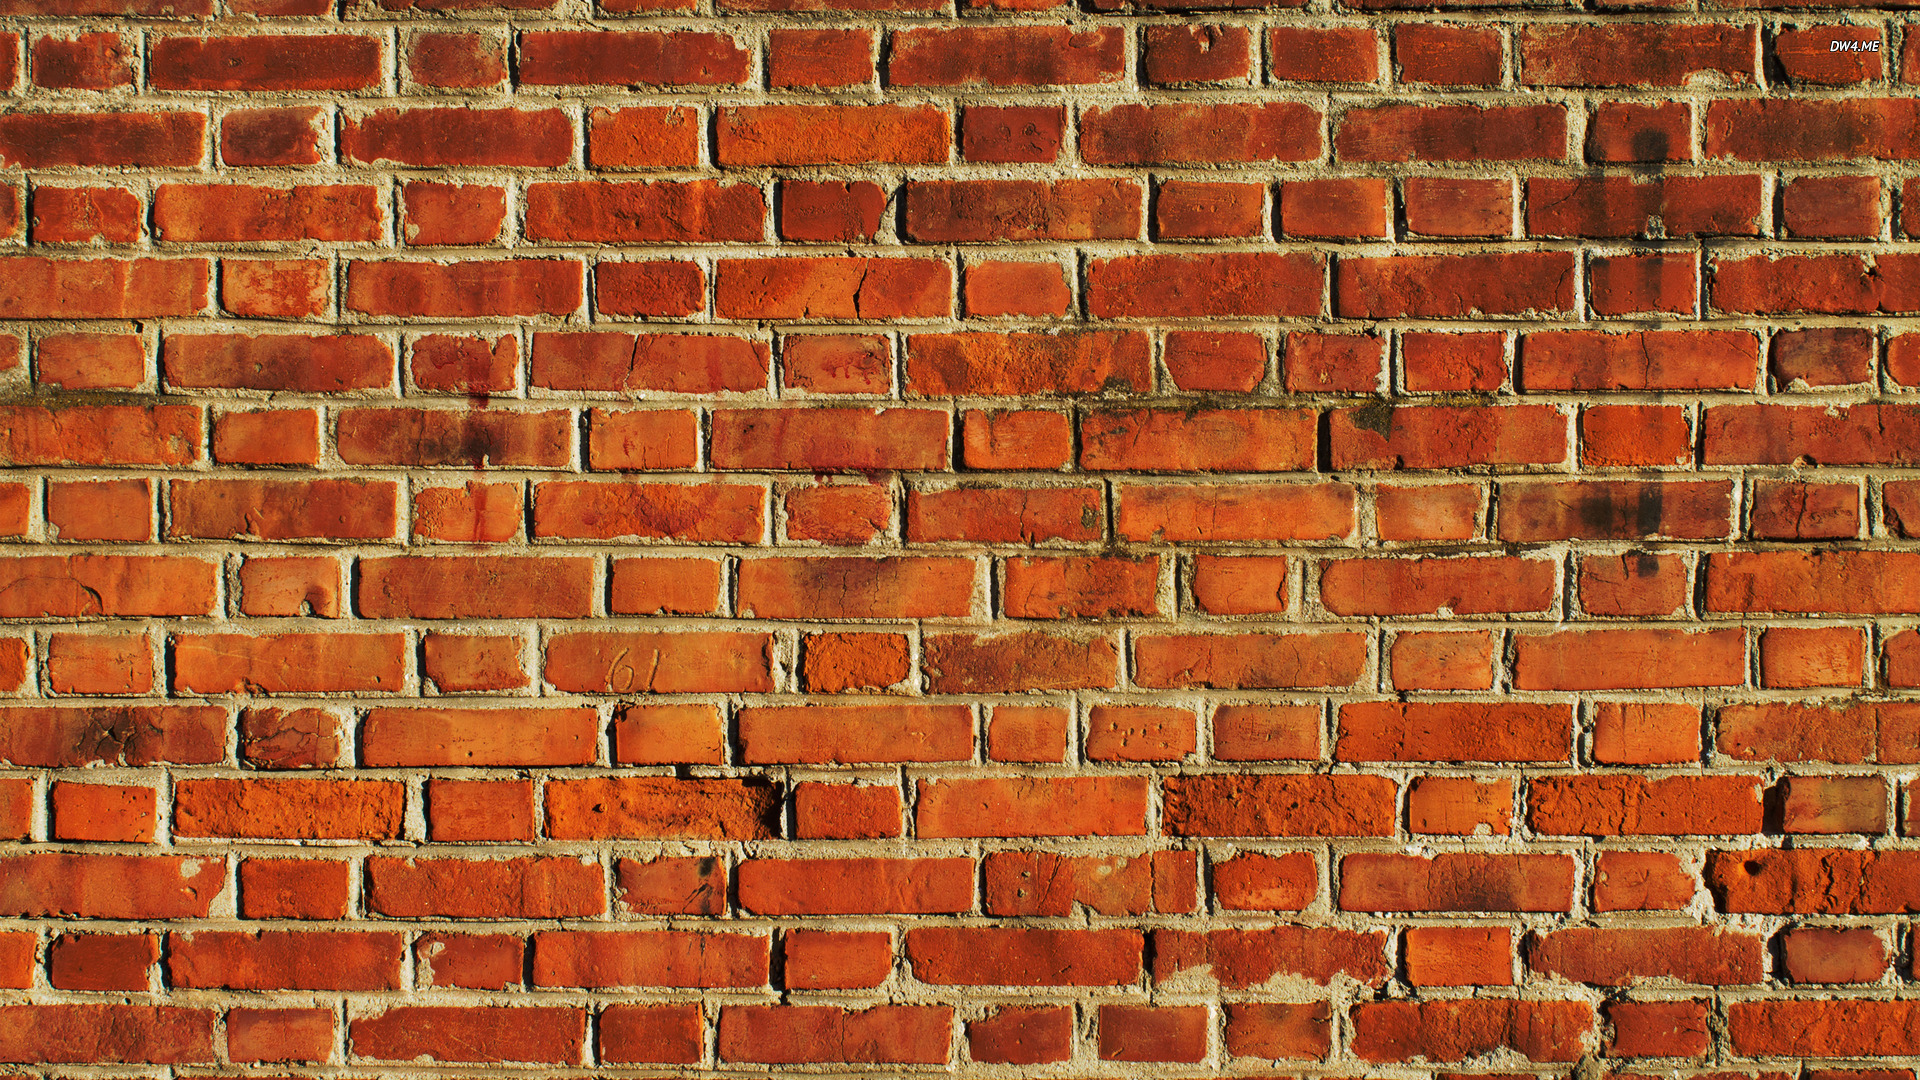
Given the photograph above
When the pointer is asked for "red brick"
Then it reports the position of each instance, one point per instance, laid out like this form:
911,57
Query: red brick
832,288
458,214
1452,133
288,809
1808,55
630,58
671,886
1638,806
1014,439
660,807
790,1034
1006,56
82,215
531,888
1438,512
853,588
665,586
1458,956
465,61
290,738
1022,957
260,62
1207,361
1620,206
1455,882
1235,512
275,1035
1636,659
1807,582
1629,284
1622,132
205,213
837,363
1251,881
1825,356
1837,207
1627,436
1153,1033
845,812
103,813
855,733
147,139
1455,806
1447,55
294,888
1858,1027
1831,955
1022,1035
458,136
111,585
658,137
1079,362
120,510
98,61
96,886
837,662
715,661
855,886
313,364
1635,733
32,287
553,1035
1455,1030
107,1034
819,58
1279,1030
1798,658
1615,510
1177,134
110,962
1278,805
1451,286
1335,209
285,136
1238,959
1014,133
823,960
1437,206
1016,210
1442,731
671,1034
1641,881
291,586
1176,55
282,509
276,288
285,960
1651,54
675,958
686,364
759,135
693,211
90,361
1659,1028
1461,586
99,664
1323,55
1442,661
1065,806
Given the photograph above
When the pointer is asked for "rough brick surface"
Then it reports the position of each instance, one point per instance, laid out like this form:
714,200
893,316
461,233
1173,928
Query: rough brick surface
1005,538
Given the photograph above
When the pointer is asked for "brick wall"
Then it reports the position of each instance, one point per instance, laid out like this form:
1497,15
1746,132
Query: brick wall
751,537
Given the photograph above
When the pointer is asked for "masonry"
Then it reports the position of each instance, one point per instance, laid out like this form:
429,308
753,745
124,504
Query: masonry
744,538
